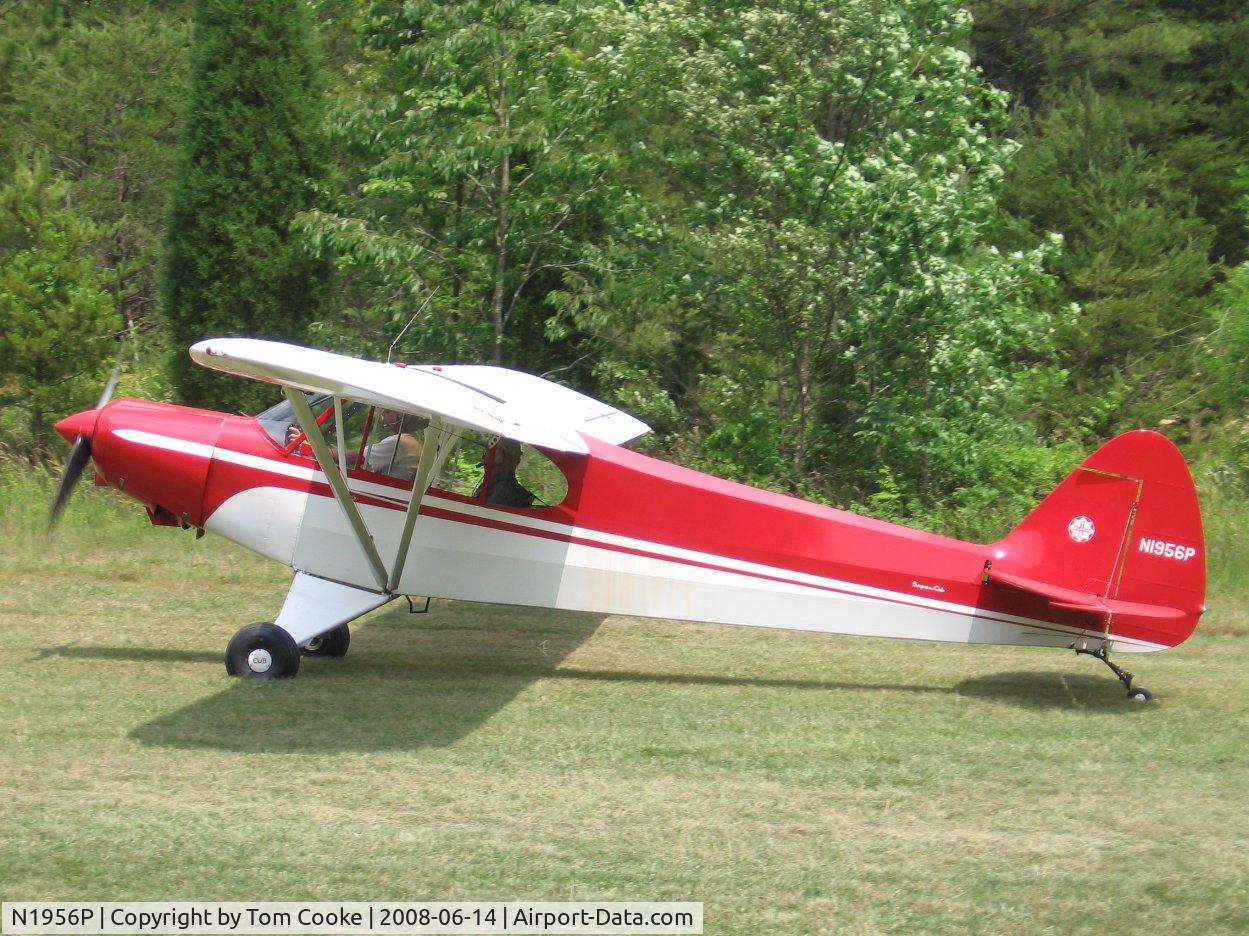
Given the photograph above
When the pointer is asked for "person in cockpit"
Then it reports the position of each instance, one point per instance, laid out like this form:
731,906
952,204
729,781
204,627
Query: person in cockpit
398,454
502,487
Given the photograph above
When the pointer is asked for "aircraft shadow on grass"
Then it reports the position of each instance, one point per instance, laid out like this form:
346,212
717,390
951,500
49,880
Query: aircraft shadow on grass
405,687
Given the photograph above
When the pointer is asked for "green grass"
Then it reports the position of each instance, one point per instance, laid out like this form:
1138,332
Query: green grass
794,783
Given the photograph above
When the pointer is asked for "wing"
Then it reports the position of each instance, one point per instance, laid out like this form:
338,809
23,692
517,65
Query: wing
494,400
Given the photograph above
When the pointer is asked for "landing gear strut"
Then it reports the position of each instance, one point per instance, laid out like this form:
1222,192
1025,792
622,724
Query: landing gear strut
1135,693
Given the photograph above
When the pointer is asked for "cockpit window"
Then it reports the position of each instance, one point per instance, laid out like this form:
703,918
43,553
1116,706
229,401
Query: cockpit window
543,477
503,472
280,417
463,471
518,476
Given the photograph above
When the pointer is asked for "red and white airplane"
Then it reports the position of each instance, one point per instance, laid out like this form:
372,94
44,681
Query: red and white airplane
1112,559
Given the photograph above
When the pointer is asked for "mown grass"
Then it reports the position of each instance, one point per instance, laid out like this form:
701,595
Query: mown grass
793,783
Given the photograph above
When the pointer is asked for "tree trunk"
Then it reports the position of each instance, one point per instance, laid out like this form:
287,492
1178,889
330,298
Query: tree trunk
804,401
500,230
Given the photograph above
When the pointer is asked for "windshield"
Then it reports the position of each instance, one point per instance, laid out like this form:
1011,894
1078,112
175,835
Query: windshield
279,417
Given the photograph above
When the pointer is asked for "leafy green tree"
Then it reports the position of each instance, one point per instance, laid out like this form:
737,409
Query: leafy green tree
253,155
476,172
813,278
56,314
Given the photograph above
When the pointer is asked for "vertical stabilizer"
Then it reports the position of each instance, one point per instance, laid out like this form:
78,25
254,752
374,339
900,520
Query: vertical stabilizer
1124,527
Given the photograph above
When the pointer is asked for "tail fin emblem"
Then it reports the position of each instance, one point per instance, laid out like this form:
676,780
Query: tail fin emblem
1081,529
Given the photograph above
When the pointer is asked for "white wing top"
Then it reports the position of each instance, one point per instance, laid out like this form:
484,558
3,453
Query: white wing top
495,400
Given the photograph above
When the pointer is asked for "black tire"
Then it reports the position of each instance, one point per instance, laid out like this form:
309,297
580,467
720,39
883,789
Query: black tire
1140,694
332,643
262,651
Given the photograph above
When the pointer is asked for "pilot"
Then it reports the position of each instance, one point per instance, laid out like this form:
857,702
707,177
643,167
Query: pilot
399,453
503,488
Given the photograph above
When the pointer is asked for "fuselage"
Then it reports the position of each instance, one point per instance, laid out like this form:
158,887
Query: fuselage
634,536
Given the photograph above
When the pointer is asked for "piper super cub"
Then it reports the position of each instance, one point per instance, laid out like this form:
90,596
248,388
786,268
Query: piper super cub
1112,559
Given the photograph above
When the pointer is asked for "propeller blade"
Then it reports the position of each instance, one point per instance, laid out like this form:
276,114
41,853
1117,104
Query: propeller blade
79,455
109,386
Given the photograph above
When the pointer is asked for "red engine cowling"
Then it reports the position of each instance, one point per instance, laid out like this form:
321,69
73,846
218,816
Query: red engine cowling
157,453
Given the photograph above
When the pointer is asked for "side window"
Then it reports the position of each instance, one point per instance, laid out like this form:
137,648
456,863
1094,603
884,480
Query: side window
520,475
280,423
539,474
356,418
388,442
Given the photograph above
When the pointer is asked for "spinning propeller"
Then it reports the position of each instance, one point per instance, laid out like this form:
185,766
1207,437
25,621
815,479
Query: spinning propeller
80,454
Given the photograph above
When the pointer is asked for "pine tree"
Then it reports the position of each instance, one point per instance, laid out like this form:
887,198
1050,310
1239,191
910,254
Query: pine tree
55,310
1132,120
1174,74
1134,259
252,156
105,101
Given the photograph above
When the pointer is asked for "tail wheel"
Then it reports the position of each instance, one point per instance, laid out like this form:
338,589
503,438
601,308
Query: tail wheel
332,643
262,651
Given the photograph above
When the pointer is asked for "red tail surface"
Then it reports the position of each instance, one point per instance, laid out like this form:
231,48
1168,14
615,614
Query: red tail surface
1121,533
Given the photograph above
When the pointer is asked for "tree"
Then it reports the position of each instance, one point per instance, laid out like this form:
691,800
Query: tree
253,154
824,178
1134,258
476,170
1223,366
56,314
1173,74
104,98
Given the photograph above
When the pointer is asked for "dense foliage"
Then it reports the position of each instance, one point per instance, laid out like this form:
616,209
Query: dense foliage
475,171
869,252
831,308
55,308
1134,122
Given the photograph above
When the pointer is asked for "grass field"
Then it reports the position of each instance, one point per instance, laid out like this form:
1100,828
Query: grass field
794,783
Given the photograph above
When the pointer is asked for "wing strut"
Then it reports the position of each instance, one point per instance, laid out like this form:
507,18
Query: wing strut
342,493
340,433
434,452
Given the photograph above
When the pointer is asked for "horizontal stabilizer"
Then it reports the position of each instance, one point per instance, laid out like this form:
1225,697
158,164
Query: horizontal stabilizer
1068,599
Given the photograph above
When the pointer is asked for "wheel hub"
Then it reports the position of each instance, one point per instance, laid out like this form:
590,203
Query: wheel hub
260,660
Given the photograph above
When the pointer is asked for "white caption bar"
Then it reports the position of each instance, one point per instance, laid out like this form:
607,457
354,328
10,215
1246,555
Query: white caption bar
354,918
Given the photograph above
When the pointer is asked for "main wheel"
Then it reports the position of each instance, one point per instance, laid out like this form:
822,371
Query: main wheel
1139,694
262,651
333,643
